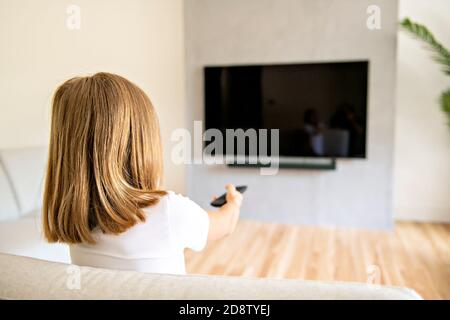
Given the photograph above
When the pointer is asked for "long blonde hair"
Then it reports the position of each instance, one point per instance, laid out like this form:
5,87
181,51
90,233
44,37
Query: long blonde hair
105,159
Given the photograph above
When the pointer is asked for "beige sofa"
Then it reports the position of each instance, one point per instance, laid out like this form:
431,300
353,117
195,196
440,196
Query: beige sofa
29,278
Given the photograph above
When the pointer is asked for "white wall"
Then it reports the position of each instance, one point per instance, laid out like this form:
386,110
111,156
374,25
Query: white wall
139,39
359,192
422,145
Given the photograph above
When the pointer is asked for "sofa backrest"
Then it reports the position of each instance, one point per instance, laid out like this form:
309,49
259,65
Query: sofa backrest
28,278
21,179
8,203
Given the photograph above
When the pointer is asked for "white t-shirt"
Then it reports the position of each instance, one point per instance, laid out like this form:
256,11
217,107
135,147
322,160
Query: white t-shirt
154,246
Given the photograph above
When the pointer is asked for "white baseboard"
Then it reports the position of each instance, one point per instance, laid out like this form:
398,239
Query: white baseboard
423,214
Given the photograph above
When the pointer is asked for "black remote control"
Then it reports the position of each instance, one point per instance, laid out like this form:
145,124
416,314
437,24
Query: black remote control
220,201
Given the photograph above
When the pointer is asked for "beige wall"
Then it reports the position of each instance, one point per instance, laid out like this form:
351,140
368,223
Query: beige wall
139,39
422,145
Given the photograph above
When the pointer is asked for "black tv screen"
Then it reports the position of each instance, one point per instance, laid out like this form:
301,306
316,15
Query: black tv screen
320,109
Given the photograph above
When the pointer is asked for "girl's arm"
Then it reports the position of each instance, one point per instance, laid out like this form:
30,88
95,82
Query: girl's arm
223,221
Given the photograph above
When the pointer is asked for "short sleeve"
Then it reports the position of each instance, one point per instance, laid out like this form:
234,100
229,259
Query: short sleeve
189,223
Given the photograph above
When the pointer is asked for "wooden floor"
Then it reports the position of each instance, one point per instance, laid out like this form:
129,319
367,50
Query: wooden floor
415,255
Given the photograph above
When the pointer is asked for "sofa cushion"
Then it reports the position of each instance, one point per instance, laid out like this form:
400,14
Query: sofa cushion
24,237
27,278
25,169
8,203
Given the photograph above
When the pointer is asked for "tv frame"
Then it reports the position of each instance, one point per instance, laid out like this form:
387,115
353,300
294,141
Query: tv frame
291,161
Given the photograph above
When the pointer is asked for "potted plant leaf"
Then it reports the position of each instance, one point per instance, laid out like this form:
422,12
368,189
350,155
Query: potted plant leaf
440,54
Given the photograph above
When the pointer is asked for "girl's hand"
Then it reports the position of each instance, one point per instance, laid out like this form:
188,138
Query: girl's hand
223,221
233,196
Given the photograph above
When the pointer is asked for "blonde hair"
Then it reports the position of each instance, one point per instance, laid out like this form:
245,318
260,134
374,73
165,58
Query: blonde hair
105,159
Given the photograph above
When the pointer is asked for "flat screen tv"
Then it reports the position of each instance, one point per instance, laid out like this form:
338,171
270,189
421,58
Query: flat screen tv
320,109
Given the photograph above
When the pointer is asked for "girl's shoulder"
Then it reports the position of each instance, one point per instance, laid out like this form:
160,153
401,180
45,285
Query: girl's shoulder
172,203
189,223
173,196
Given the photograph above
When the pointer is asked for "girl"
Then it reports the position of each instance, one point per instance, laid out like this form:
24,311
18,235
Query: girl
103,192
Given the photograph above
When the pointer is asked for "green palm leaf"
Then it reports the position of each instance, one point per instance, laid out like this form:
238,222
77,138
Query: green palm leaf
441,54
445,104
